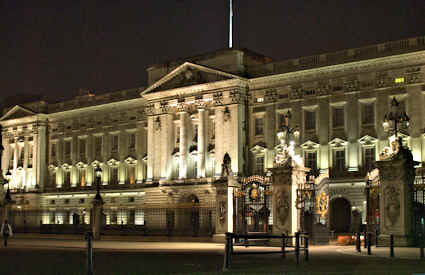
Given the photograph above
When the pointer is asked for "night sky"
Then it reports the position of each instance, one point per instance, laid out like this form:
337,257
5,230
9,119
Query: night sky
52,48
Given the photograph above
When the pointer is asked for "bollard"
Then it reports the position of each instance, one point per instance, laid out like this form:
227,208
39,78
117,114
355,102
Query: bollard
376,237
89,236
364,239
226,265
358,243
392,246
306,248
283,246
297,246
369,243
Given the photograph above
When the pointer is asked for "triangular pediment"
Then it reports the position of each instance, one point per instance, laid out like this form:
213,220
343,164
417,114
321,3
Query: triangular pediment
368,140
188,74
309,145
337,142
17,112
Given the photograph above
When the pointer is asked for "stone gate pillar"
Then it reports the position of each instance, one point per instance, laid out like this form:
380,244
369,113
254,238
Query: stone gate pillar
285,180
397,175
224,207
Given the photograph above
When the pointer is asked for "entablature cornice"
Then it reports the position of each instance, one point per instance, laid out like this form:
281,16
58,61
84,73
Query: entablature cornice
211,98
195,90
340,70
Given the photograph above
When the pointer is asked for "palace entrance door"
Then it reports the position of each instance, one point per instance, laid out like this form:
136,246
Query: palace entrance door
253,205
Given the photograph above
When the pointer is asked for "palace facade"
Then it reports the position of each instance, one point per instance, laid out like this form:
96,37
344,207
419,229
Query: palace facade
164,144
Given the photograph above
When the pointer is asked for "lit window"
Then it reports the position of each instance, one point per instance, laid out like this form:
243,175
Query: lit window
260,99
399,80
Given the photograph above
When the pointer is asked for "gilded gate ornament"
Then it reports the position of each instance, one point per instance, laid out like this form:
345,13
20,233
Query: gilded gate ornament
322,202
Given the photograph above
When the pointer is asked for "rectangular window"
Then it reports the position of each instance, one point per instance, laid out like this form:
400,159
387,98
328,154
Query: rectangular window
311,160
310,120
114,175
83,177
53,152
177,135
132,142
132,174
259,126
399,80
212,129
114,143
98,146
67,179
339,163
369,158
67,149
82,148
195,133
139,217
368,114
259,165
338,117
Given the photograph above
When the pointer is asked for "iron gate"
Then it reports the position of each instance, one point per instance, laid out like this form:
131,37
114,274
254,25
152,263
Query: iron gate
253,205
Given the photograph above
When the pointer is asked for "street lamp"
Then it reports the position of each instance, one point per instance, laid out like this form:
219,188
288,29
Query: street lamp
287,130
7,180
98,172
395,118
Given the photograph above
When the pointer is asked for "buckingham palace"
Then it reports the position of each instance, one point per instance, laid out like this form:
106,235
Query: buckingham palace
156,153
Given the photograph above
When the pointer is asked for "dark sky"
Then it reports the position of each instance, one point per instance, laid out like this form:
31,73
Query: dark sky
52,48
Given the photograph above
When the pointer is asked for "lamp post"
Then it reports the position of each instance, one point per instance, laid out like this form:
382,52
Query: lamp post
287,130
368,186
98,172
8,176
395,119
97,202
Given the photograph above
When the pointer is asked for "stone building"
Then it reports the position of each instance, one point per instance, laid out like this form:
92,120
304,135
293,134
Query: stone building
164,144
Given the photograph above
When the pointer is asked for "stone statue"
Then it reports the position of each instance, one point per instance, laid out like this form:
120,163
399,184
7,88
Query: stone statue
226,166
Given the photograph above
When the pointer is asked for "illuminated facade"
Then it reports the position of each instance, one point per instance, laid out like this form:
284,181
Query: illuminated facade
164,144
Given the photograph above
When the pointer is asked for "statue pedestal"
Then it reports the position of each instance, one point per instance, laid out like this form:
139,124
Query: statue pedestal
397,175
97,217
224,207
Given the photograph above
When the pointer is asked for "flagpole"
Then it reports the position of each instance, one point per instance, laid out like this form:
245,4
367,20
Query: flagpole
231,24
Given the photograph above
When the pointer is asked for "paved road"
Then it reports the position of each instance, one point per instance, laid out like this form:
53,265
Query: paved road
67,256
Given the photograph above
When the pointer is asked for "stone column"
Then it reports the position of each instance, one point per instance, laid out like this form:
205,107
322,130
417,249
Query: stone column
352,119
382,108
150,148
395,204
167,145
40,160
219,140
183,145
323,133
414,111
97,216
201,142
